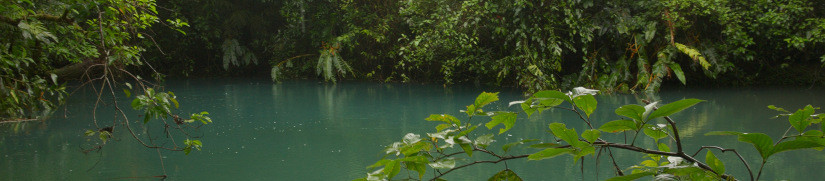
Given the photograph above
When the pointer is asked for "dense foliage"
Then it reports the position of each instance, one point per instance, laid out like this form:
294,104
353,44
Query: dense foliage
442,152
611,45
99,44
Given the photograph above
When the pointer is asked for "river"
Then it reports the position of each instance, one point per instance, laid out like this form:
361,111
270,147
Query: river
306,130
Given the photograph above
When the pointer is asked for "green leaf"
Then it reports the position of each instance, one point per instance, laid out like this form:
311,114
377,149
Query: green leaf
392,168
54,78
631,111
663,147
678,71
586,103
632,176
146,118
485,98
591,135
800,119
136,104
618,126
777,108
548,153
673,107
175,101
568,135
527,107
126,91
655,133
717,165
762,142
128,85
551,94
447,163
694,54
89,133
506,118
449,119
794,145
505,175
421,168
484,140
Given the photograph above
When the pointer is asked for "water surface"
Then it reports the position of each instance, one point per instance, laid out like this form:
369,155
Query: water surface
305,130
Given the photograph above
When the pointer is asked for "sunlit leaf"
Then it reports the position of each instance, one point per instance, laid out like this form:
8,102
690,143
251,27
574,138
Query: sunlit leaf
800,119
591,135
484,140
586,103
794,145
446,163
717,165
762,142
568,135
449,119
551,94
548,153
673,107
485,98
631,111
655,133
506,118
89,133
618,126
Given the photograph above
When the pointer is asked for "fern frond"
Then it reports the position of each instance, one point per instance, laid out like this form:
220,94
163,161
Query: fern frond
694,54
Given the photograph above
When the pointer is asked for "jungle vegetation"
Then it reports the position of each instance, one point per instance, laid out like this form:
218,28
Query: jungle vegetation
125,48
615,45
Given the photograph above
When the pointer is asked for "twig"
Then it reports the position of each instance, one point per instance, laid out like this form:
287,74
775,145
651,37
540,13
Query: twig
726,150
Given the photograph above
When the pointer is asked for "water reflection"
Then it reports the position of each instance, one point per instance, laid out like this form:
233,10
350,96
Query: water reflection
305,130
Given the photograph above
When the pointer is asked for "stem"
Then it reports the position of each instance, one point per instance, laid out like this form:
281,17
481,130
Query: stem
731,150
760,169
441,174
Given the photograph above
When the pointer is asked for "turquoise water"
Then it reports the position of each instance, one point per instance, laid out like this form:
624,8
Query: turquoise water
305,130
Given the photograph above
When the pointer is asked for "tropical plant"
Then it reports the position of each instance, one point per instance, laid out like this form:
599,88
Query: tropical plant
98,42
667,158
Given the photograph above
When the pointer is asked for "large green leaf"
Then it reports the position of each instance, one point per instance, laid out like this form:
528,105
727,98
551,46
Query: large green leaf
484,140
618,126
506,118
568,135
591,135
654,132
673,107
505,175
586,103
631,111
485,98
632,176
678,71
449,119
548,153
551,94
762,142
794,145
717,165
446,163
800,119
392,168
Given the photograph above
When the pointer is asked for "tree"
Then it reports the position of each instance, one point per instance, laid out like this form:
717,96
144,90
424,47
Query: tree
438,151
97,42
